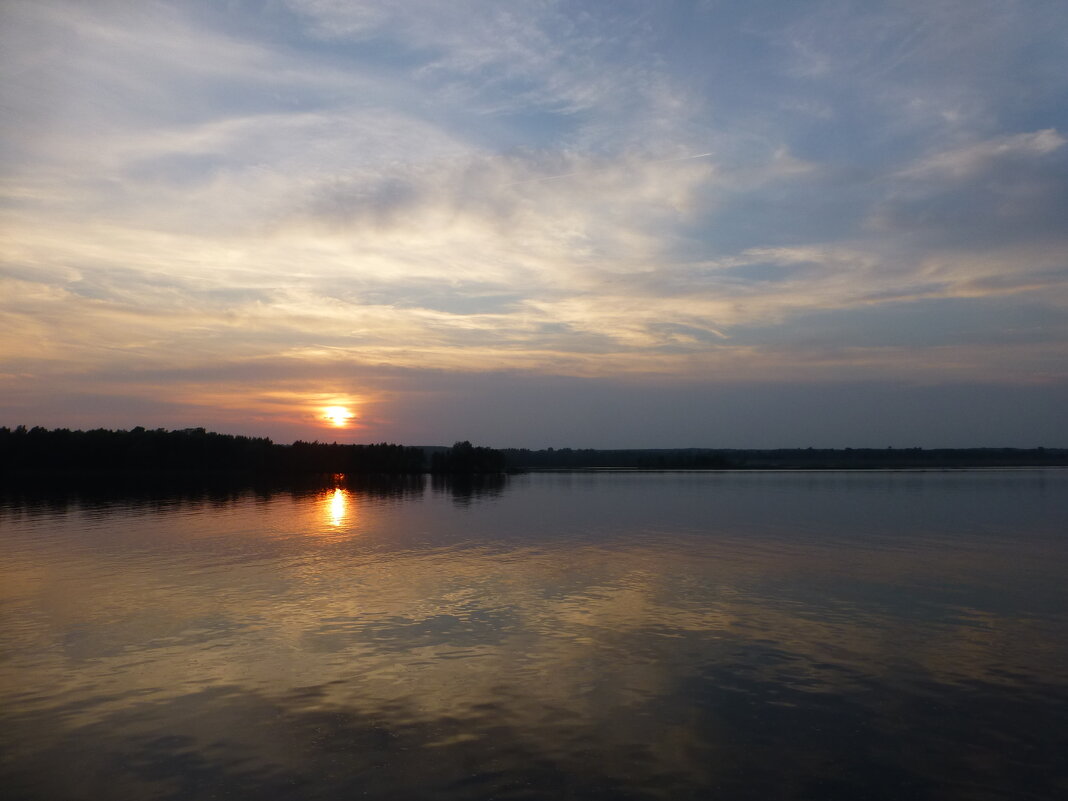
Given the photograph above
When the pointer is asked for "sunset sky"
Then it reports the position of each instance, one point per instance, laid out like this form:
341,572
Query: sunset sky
588,224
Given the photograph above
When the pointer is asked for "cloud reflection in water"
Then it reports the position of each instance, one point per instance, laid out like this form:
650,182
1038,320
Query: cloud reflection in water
603,636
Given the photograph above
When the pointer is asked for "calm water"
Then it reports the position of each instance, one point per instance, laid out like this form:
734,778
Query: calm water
615,636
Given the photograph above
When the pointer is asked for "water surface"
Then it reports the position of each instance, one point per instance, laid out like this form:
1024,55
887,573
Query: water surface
879,635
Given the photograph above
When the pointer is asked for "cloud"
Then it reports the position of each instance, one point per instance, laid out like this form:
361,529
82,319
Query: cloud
939,69
504,58
966,162
1002,191
691,191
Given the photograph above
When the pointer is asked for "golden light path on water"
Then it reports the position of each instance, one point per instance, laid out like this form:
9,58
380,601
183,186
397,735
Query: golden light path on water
337,507
335,513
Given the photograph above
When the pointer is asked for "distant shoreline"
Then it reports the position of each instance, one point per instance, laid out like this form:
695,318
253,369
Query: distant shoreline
40,454
954,469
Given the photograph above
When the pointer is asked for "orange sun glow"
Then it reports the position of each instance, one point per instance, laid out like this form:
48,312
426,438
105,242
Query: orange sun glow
337,416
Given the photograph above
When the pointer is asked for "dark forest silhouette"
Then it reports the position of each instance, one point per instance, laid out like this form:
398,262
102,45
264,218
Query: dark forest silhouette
465,458
194,451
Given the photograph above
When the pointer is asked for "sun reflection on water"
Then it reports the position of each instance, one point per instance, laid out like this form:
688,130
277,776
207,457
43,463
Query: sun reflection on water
337,508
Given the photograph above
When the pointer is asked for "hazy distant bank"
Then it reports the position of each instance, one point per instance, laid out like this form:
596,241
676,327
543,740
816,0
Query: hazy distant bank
786,458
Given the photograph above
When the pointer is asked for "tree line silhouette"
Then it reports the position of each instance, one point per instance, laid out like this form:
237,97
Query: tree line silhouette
195,450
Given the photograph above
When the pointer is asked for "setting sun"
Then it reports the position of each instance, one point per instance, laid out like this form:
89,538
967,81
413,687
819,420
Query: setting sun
337,415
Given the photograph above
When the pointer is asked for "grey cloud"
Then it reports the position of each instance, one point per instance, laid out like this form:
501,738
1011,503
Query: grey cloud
934,65
379,203
453,298
926,323
768,272
1031,280
981,196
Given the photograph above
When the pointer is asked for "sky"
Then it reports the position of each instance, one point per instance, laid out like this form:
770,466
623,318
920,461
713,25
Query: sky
771,223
